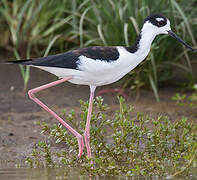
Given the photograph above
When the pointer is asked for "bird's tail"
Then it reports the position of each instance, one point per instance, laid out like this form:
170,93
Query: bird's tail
23,62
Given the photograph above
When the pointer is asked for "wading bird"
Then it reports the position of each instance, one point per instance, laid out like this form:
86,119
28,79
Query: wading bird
97,66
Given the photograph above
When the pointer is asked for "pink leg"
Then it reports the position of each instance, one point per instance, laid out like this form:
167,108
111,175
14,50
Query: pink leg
87,129
32,96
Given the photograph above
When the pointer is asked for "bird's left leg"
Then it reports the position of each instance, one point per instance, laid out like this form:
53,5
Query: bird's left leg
32,96
87,129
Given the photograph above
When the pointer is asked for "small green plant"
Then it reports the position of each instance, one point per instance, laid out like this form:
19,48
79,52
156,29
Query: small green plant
42,156
123,144
187,100
179,98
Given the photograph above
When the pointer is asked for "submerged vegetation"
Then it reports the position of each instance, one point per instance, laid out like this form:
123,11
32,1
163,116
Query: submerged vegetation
123,144
34,27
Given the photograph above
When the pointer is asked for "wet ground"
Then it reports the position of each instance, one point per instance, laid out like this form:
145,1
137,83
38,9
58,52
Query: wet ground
18,114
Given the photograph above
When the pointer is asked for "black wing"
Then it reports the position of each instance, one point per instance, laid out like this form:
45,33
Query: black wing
70,59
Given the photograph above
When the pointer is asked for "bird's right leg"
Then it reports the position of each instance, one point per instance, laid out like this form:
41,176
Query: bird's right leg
31,94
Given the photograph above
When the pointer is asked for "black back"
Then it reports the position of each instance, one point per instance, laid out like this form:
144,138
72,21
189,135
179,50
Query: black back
70,59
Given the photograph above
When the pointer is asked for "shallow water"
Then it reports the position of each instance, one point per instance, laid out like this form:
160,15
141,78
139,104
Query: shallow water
34,174
49,174
24,173
18,170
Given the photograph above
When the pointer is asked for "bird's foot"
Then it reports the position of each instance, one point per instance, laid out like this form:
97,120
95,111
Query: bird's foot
81,146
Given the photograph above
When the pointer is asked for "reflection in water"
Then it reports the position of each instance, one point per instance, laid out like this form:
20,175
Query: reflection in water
43,174
17,170
36,174
8,171
56,174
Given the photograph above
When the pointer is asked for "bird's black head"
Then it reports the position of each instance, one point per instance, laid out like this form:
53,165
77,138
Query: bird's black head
156,19
159,24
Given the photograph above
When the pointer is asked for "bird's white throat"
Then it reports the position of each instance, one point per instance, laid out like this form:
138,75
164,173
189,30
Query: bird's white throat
147,37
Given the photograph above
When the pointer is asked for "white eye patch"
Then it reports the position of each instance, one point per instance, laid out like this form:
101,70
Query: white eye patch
159,19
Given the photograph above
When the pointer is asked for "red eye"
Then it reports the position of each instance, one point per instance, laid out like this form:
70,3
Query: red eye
160,23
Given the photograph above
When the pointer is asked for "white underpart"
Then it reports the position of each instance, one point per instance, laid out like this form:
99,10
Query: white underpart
100,72
97,72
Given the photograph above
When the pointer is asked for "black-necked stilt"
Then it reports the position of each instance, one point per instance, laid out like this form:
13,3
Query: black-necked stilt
97,66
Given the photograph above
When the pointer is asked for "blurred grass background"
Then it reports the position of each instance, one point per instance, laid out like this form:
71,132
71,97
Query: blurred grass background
33,28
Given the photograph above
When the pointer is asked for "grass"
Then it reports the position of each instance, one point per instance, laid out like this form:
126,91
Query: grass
77,23
123,144
32,24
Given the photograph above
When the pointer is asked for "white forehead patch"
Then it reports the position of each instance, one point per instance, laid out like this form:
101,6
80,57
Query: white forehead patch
160,19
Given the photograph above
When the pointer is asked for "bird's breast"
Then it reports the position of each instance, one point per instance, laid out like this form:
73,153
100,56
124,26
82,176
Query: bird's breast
100,72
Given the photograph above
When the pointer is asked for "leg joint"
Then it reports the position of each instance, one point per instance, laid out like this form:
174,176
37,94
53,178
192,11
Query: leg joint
31,94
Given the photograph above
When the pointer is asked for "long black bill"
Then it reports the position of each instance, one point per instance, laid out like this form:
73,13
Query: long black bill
171,33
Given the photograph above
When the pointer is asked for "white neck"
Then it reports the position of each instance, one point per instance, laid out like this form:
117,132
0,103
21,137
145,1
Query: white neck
145,42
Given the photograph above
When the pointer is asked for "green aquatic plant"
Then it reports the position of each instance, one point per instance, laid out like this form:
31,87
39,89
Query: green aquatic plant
123,143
